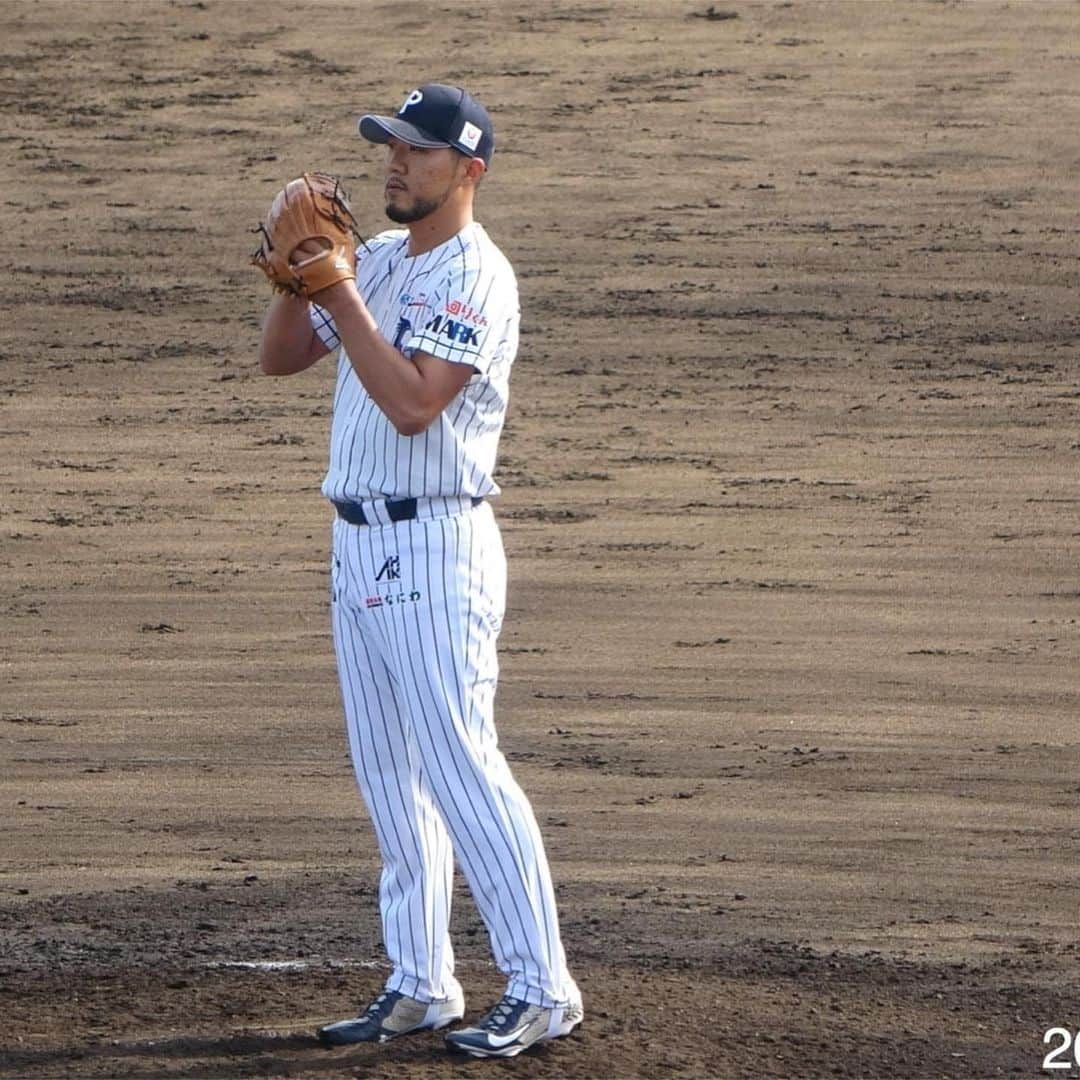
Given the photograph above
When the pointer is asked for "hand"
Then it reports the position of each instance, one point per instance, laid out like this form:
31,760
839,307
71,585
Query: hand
305,250
329,296
338,297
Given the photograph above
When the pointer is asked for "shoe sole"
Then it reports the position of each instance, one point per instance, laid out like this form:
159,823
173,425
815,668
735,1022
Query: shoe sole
512,1050
384,1037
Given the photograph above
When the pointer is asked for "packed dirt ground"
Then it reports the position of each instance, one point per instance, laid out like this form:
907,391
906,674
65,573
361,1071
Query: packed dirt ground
790,499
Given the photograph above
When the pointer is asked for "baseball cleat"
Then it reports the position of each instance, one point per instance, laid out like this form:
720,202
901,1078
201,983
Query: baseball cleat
392,1014
514,1025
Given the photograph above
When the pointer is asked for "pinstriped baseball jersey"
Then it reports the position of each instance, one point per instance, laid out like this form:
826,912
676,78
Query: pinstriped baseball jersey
458,302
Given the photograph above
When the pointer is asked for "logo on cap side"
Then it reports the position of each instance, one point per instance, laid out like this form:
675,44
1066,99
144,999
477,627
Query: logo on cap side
413,99
470,135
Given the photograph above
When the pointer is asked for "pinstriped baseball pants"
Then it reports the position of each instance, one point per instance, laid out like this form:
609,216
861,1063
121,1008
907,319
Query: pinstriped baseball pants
417,607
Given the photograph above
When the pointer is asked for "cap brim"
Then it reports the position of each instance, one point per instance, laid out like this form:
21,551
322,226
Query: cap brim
380,129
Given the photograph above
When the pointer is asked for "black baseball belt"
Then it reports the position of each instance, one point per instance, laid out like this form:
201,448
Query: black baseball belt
396,510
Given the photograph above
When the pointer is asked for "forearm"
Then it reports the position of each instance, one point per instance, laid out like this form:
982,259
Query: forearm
400,388
288,343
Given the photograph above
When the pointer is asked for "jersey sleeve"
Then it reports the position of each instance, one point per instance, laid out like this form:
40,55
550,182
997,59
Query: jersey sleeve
323,325
468,316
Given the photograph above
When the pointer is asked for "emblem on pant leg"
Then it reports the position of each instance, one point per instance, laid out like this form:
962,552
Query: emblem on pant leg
390,599
391,569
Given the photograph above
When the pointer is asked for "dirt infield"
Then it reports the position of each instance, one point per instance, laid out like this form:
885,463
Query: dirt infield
791,505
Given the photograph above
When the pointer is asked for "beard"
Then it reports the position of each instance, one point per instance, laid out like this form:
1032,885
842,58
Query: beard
406,215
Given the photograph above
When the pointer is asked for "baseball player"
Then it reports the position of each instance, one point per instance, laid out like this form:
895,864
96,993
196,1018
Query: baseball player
424,320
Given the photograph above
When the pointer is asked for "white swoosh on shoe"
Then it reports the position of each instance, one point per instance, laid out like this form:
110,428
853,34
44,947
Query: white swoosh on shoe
499,1041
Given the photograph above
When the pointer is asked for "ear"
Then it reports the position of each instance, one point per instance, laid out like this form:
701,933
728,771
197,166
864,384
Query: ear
475,169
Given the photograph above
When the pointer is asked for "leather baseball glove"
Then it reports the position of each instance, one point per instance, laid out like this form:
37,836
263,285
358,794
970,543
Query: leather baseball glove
312,207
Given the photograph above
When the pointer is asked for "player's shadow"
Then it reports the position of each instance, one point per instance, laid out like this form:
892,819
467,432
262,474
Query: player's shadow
237,1055
186,1055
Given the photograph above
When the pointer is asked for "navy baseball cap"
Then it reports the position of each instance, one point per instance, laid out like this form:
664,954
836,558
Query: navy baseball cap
436,115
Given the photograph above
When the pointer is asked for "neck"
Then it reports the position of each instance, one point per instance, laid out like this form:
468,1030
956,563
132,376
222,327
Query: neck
438,227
